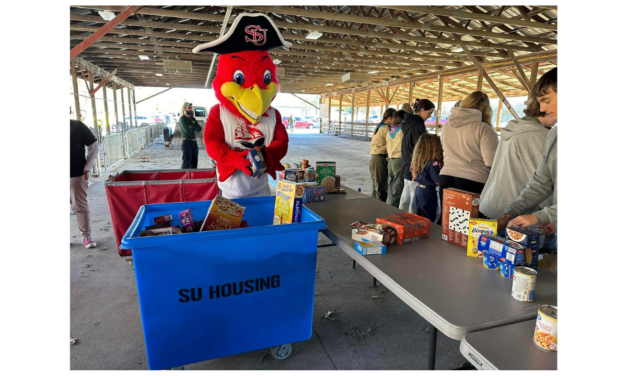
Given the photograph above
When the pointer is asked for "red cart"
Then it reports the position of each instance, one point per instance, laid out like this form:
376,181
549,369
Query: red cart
127,191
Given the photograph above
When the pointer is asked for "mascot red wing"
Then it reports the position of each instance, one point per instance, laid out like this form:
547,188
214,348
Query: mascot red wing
245,84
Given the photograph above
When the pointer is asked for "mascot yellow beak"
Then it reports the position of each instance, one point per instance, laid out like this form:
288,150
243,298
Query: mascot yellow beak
251,102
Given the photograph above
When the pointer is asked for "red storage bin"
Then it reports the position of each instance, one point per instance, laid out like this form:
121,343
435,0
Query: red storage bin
127,191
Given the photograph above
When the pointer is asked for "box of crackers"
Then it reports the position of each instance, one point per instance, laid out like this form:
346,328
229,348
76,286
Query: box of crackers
288,206
410,228
457,208
223,214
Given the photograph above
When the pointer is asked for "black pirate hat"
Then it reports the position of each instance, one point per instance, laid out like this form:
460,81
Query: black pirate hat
249,32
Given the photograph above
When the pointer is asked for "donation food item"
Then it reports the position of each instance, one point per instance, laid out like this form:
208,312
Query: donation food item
370,247
372,231
338,182
477,228
305,164
187,220
161,231
314,193
286,165
257,162
502,248
295,166
289,174
507,269
457,208
324,169
524,285
409,227
244,224
329,183
289,202
530,238
301,175
163,219
162,225
545,335
223,214
310,175
490,261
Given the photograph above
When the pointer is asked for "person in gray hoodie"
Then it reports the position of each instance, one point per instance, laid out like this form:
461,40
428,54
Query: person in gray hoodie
543,184
518,155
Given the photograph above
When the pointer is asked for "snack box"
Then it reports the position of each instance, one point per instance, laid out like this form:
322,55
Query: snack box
457,208
187,220
371,231
163,219
370,247
289,174
257,162
477,228
161,231
161,225
223,214
409,227
289,202
314,193
501,248
324,169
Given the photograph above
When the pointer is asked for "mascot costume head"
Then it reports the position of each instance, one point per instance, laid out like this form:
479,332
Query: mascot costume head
245,85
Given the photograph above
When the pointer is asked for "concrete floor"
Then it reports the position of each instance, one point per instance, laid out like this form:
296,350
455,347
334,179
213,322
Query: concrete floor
368,333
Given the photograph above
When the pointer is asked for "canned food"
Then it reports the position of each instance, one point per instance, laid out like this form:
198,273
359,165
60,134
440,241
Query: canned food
305,163
294,165
507,269
545,335
490,261
524,285
286,165
310,175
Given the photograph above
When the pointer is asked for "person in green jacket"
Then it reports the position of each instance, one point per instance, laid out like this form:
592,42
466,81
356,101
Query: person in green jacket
189,126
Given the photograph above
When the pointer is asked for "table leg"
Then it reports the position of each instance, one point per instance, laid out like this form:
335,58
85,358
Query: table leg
374,281
433,337
353,264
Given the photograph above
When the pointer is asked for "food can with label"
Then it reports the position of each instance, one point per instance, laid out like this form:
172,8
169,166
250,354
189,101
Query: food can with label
545,335
305,164
310,175
490,261
524,285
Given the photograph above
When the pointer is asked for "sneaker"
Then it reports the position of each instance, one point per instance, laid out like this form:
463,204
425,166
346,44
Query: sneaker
89,242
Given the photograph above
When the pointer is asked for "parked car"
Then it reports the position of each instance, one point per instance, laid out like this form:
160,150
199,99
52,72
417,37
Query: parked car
304,124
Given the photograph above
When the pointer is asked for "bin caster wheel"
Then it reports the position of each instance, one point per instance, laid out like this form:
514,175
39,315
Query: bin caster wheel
282,352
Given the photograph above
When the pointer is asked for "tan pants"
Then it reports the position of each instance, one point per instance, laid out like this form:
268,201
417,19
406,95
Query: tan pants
78,199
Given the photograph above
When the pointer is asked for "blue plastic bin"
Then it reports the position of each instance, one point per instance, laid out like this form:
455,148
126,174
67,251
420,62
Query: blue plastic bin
212,294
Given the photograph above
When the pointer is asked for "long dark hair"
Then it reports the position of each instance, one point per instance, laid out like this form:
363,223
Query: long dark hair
389,112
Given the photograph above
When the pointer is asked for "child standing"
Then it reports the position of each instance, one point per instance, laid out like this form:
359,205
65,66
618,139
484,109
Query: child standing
393,141
425,168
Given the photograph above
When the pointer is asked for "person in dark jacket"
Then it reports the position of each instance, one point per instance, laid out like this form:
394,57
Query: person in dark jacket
413,126
189,126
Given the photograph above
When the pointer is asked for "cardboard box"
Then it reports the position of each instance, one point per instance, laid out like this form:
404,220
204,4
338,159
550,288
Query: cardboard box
314,193
370,247
371,231
161,231
257,162
289,202
410,228
324,169
187,220
223,214
501,248
290,174
477,228
457,208
548,262
163,219
529,238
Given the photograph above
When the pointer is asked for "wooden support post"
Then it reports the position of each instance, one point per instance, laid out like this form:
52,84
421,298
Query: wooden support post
519,67
77,103
387,96
393,94
487,78
134,107
106,109
498,114
329,116
130,114
102,31
339,132
367,110
103,82
411,93
480,82
440,89
93,106
115,106
381,113
534,74
123,111
352,113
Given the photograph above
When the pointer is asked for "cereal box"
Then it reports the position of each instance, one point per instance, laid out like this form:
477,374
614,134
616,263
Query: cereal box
324,169
409,227
457,208
370,247
163,219
288,206
477,228
223,214
257,162
187,220
314,193
501,248
370,231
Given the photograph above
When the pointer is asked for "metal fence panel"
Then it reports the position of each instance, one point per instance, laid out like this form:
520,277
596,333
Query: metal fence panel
113,149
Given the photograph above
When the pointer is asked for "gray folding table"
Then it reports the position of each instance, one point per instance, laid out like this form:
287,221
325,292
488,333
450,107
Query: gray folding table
456,294
508,347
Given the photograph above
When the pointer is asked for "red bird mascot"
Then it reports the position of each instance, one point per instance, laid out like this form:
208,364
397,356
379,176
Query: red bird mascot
245,84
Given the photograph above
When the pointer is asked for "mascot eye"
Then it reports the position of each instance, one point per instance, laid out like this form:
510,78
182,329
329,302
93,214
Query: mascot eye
267,77
238,77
